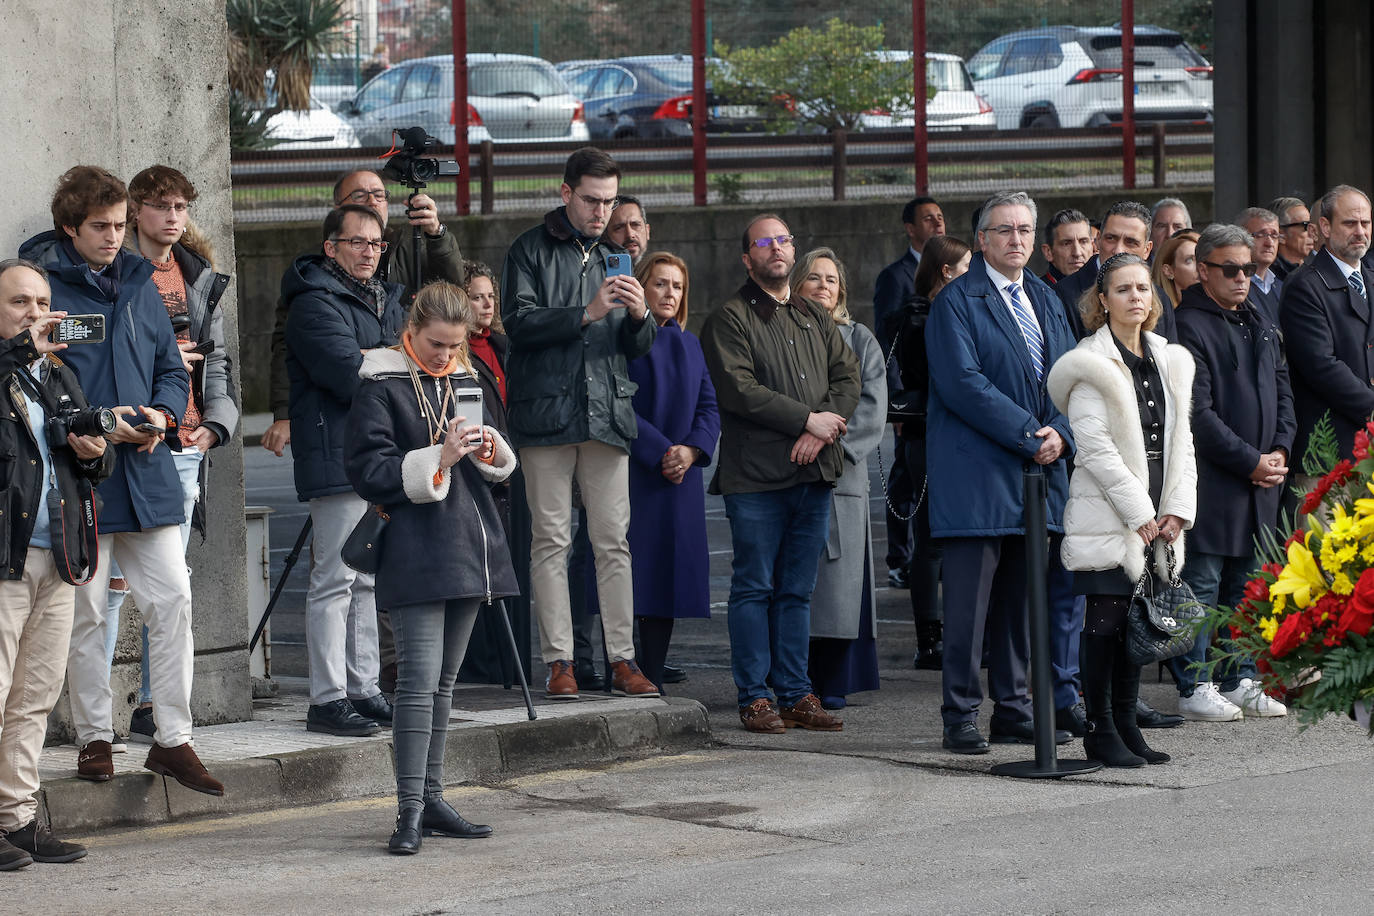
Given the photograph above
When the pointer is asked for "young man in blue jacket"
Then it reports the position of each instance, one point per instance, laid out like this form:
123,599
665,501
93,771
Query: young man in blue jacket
126,360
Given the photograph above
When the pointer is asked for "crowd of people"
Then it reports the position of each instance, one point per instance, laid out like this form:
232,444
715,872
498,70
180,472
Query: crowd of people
1162,378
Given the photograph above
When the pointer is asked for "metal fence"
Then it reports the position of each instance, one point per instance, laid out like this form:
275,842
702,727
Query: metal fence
799,102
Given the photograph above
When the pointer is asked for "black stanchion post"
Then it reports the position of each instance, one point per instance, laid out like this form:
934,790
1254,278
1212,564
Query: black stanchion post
1046,764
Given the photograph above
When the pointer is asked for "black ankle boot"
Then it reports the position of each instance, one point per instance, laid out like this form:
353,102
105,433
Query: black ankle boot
1102,741
930,646
1125,691
405,841
440,818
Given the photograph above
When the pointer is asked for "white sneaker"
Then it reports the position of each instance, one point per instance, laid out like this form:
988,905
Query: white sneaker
1253,701
1208,705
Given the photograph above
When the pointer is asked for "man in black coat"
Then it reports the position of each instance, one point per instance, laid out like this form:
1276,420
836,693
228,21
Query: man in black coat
1125,227
1295,239
1067,245
1265,286
1327,324
1243,428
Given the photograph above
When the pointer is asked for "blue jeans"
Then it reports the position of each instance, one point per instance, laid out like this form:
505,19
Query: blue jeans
431,640
778,537
1215,580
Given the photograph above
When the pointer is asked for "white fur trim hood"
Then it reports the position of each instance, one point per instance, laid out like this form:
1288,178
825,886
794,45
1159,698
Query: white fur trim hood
1109,490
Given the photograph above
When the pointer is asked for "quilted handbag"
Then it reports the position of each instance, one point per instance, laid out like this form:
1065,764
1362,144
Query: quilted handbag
1164,617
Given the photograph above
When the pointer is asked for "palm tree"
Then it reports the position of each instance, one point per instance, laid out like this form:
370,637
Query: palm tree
283,37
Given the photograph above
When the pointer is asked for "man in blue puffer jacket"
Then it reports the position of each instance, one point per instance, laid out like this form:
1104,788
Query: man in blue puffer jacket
127,361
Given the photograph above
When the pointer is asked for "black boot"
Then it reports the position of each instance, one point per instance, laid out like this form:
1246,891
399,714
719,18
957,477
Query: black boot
405,841
930,646
1125,692
440,818
1102,741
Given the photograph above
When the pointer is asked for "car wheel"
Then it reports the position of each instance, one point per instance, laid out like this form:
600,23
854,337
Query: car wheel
1044,120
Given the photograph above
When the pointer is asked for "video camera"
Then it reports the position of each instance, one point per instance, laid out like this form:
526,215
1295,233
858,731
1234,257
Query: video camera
406,163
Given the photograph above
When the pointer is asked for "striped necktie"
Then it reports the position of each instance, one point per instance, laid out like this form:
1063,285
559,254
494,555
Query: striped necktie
1030,329
1357,284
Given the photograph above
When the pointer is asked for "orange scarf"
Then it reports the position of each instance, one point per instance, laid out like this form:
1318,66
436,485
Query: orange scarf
448,370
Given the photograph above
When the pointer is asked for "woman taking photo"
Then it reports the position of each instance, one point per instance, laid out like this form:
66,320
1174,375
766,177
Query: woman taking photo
1127,394
844,629
1175,265
418,450
943,259
675,407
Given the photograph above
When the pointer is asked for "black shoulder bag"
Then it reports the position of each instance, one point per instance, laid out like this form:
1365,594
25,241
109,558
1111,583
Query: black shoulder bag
1164,623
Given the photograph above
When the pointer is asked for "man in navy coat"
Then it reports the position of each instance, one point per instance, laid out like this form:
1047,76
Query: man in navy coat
1125,227
1327,324
991,338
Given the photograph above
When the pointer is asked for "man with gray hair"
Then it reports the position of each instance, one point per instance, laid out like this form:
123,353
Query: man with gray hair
991,338
1243,428
1327,324
1295,241
1167,216
1265,286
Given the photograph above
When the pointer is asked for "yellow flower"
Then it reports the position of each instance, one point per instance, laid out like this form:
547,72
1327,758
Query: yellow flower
1268,626
1301,578
1342,584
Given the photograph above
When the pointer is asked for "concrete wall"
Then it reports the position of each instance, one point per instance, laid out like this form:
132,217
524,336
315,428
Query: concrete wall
866,235
125,85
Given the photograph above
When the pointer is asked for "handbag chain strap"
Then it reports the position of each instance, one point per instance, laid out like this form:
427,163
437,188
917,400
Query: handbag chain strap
1174,579
882,472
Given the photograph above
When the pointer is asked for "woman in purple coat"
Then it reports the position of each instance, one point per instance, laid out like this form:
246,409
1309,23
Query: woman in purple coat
678,427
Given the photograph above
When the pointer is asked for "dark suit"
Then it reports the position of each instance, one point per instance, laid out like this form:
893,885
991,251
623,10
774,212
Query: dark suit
1072,288
1329,336
1268,303
891,290
985,406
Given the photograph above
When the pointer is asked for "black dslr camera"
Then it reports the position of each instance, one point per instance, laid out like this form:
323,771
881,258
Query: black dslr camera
68,418
406,163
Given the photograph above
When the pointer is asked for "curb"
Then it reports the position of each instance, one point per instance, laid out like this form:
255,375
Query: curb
364,767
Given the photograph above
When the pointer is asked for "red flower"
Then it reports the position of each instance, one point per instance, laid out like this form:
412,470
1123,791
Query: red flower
1257,590
1312,501
1291,634
1361,450
1359,613
1276,569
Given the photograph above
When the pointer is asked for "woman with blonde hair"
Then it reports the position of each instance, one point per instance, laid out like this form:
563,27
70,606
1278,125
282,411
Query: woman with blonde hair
418,451
1175,265
844,630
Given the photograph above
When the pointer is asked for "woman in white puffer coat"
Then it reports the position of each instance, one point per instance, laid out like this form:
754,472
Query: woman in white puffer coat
1127,393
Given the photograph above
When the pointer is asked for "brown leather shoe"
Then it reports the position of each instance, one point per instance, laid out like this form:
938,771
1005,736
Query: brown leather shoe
759,716
628,681
182,764
94,762
561,684
807,713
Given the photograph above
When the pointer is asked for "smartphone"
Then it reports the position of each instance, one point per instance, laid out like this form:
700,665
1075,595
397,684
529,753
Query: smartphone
150,428
470,407
204,348
618,265
80,329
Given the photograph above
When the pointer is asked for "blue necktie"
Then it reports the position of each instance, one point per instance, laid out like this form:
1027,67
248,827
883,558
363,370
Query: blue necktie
1030,329
1357,284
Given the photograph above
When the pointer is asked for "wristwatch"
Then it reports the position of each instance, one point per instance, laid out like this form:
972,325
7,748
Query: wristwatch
438,235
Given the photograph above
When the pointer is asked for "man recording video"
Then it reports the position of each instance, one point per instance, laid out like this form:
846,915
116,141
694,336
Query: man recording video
44,486
127,359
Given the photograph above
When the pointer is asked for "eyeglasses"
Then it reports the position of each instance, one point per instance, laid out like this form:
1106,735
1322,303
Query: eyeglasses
596,203
167,208
1005,231
359,245
782,241
1269,234
1229,271
361,196
1302,225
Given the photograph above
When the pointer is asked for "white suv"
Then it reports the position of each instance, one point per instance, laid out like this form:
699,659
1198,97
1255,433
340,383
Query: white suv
1065,76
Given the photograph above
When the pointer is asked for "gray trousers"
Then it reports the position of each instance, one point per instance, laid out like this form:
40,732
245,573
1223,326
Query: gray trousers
340,608
431,640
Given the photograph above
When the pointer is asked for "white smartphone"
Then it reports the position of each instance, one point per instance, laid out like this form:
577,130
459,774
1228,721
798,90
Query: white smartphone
470,406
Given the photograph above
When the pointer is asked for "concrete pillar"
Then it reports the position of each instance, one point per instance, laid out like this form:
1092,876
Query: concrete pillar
125,85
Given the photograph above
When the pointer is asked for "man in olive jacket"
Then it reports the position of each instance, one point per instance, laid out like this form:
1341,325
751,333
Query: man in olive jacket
786,383
572,331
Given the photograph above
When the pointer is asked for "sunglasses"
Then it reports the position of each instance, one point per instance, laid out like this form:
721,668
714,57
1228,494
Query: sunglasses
1229,271
1302,225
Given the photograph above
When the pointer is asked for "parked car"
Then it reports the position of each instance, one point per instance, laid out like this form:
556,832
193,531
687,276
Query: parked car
650,96
1066,76
955,106
334,77
511,98
318,128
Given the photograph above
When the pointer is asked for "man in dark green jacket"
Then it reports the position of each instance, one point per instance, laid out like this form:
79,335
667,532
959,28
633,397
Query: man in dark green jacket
572,331
786,383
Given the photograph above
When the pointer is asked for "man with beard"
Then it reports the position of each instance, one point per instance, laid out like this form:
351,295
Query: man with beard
628,227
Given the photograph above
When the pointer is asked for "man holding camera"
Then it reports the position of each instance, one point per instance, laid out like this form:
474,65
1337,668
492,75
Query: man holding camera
36,597
125,353
337,310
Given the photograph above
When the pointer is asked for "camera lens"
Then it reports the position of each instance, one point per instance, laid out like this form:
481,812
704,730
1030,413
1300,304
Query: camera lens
93,421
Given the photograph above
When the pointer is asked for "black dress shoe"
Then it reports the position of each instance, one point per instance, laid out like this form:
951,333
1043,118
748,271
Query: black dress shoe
1072,719
440,818
1003,731
1146,716
672,675
405,839
339,718
964,739
375,708
587,678
37,840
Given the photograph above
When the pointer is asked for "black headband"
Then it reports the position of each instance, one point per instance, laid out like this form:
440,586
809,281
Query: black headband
1114,260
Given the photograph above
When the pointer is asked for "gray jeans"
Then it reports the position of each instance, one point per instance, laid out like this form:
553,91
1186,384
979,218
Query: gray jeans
431,640
340,608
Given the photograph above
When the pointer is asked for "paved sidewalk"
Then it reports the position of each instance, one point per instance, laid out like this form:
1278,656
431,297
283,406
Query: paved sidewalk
273,761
